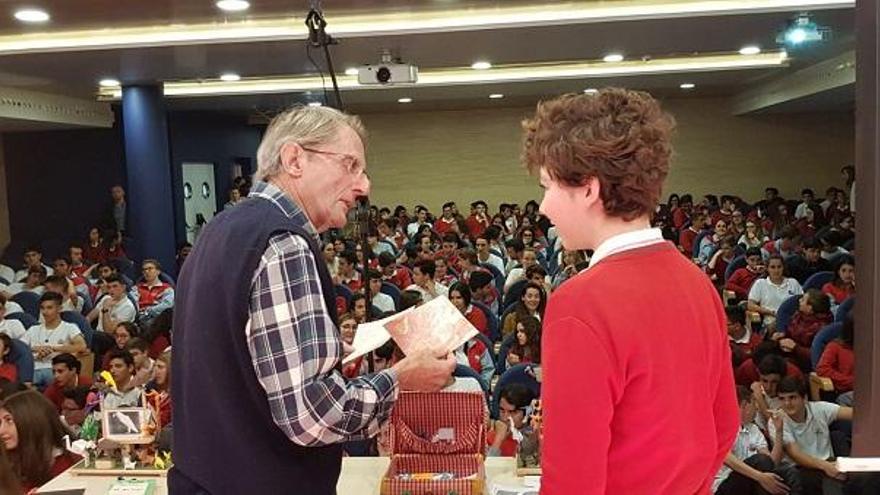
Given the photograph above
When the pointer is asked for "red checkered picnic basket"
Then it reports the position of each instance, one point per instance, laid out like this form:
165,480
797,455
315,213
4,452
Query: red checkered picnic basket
419,417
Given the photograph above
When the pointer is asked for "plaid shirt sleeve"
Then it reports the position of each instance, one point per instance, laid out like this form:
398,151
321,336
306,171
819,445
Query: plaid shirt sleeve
295,348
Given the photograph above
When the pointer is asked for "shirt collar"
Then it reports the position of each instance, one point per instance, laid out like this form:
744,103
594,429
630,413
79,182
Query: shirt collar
279,198
626,241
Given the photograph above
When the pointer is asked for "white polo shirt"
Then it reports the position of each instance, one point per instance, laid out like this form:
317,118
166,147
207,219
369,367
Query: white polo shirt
812,436
749,440
442,291
770,295
384,302
123,311
13,328
36,335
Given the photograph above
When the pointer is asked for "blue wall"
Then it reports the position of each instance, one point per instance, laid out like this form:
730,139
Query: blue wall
59,181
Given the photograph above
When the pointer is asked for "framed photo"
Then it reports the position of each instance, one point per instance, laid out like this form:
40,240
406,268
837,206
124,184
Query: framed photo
128,425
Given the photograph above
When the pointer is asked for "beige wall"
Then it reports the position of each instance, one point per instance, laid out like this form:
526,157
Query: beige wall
4,203
433,157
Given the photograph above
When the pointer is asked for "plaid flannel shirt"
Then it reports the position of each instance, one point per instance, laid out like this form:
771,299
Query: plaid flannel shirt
295,347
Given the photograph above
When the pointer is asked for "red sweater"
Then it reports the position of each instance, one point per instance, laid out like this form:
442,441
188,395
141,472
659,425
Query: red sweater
747,373
839,294
55,394
838,363
9,371
802,329
478,320
686,241
741,281
636,416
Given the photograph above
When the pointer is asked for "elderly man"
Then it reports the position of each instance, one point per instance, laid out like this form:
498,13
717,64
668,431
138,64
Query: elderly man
260,403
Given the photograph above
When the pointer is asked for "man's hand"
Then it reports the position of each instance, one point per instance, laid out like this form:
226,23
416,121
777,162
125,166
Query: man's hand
513,359
422,372
787,345
831,471
502,431
772,483
758,389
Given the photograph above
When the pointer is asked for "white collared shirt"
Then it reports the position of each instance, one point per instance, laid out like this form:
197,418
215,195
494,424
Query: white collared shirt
626,241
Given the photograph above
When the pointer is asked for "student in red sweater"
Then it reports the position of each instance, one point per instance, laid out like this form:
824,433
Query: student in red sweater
740,282
623,412
460,297
526,346
813,314
844,284
838,360
33,436
66,370
743,341
7,369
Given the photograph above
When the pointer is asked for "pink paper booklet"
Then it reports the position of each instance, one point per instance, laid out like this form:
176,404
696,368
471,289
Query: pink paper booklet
436,326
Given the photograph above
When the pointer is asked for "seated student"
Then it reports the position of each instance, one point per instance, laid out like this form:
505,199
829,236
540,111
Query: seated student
410,299
152,295
710,243
33,258
62,268
567,267
478,220
717,266
71,301
771,369
125,393
682,214
531,303
66,370
538,275
741,281
767,294
11,327
482,285
50,338
7,369
751,467
114,308
443,274
74,403
844,284
95,251
449,246
801,267
467,265
124,332
477,356
359,307
347,329
813,314
830,242
515,248
748,373
423,278
161,386
742,340
328,252
158,334
144,365
526,348
446,223
529,259
380,300
806,439
460,296
33,282
391,273
33,437
753,236
838,360
513,407
485,256
78,266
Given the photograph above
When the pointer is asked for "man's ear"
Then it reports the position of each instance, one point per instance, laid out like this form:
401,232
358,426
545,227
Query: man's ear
291,163
590,191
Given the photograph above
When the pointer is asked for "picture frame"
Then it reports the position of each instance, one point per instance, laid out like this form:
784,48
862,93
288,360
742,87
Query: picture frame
128,425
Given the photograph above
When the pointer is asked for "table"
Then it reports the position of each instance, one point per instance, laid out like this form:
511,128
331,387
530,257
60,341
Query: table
360,476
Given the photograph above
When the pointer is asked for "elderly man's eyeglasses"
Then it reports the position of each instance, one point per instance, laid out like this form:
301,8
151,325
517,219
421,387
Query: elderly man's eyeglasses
351,163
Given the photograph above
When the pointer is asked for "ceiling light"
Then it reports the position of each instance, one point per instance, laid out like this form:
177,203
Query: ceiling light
109,83
233,5
315,104
481,65
591,91
613,57
576,71
404,100
230,77
496,96
351,71
750,50
688,86
32,15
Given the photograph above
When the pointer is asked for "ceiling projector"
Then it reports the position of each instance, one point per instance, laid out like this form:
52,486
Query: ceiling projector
388,72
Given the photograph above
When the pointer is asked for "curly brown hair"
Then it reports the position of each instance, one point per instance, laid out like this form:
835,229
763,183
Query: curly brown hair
619,136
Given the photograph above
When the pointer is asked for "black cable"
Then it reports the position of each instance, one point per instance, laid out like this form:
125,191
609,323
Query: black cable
318,37
320,71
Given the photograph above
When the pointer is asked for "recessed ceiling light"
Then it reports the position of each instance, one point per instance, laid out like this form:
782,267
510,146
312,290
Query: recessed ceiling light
351,71
404,100
688,86
481,65
496,96
315,104
32,15
591,91
750,50
108,83
613,57
230,77
233,5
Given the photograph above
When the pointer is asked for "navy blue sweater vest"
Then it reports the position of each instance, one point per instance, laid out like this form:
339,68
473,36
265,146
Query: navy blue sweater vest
225,440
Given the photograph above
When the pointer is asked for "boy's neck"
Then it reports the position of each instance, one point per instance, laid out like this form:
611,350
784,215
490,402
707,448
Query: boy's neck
53,324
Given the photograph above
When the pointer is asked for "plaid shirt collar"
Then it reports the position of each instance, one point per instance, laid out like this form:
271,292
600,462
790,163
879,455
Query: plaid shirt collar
279,198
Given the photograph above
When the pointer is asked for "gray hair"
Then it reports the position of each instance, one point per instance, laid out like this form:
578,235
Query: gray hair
308,126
